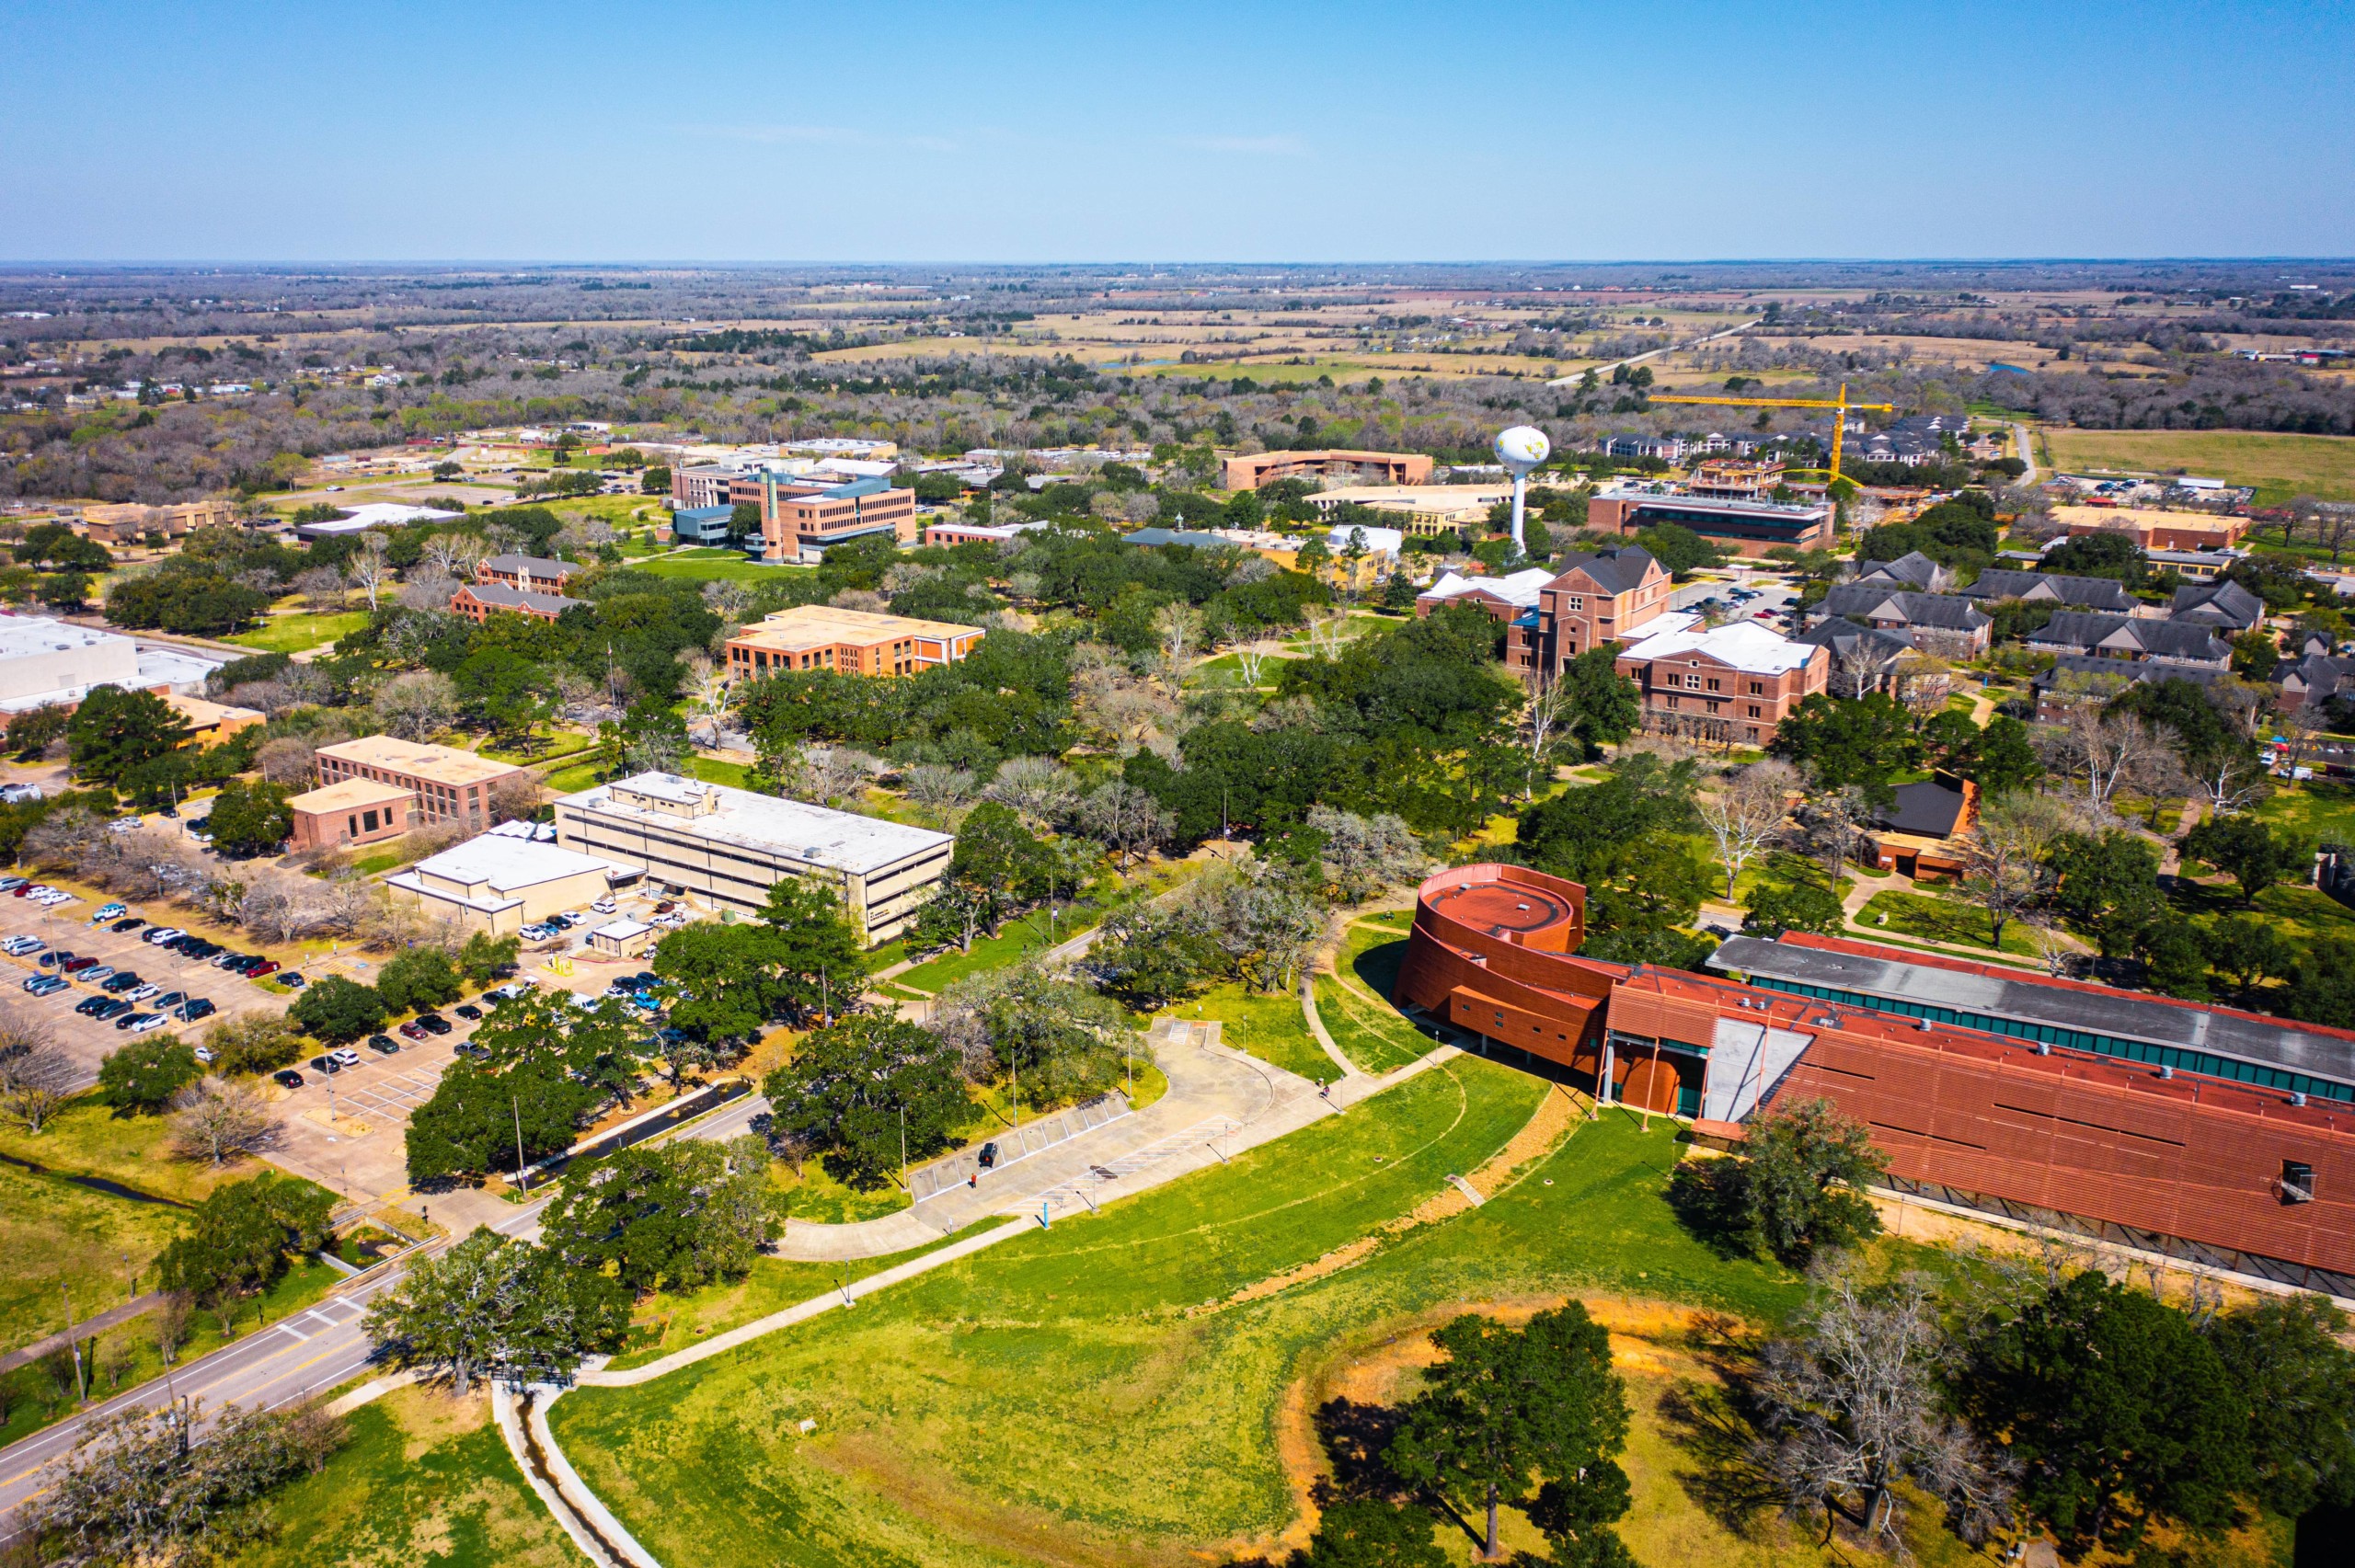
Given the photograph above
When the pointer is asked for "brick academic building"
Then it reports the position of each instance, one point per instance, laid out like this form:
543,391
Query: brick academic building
2224,1137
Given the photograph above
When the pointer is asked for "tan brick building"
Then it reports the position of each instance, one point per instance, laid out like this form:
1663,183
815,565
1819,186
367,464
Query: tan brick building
452,787
846,642
356,811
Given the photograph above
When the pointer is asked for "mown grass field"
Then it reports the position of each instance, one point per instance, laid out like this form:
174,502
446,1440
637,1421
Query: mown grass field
1267,1024
1941,920
425,1479
728,566
292,633
2279,466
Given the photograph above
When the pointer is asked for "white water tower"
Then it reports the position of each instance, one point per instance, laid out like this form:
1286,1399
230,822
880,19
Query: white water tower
1521,449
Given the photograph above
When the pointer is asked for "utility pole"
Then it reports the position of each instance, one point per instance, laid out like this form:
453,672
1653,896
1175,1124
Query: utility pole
903,1147
516,1106
81,1389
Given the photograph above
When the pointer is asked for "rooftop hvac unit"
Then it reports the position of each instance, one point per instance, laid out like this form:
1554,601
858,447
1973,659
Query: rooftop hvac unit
2297,1096
2297,1181
2166,1072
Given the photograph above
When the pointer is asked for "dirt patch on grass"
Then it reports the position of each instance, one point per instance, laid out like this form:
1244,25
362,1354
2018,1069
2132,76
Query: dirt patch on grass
1381,1367
430,1415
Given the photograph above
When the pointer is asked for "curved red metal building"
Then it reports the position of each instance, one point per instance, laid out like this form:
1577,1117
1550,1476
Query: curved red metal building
2194,1150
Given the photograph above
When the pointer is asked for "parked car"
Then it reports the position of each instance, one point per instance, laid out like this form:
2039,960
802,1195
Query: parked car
291,980
665,906
204,1055
114,1009
260,968
345,1057
10,884
78,966
288,1078
140,1023
605,905
326,1064
169,999
469,1048
468,1011
127,922
195,1008
24,889
383,1044
143,990
88,1006
123,980
97,974
108,912
433,1024
412,1031
987,1159
163,933
45,985
18,946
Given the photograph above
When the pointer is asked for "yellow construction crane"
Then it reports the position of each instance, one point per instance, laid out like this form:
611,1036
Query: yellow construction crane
1839,425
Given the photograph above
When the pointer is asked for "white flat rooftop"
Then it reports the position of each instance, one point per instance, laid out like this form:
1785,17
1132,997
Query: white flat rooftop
1745,645
789,830
23,635
508,863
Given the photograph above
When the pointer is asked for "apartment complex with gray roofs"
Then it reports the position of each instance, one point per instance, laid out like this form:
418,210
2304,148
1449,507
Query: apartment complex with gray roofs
1938,623
2221,604
1912,570
1864,658
2105,594
2131,638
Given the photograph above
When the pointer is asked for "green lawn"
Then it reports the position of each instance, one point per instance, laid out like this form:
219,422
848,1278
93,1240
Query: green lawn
1267,1024
425,1479
2319,809
2301,914
1374,1034
1016,939
292,633
716,566
574,777
1941,920
712,771
553,743
1052,1400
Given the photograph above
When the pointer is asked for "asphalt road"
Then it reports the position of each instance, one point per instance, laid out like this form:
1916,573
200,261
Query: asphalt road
305,1355
2028,453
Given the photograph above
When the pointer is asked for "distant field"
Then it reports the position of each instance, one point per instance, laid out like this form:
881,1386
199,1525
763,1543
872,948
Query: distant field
2279,465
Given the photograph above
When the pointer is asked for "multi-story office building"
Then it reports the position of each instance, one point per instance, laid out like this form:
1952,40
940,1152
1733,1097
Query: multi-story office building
1731,683
846,642
1259,468
453,788
531,573
731,846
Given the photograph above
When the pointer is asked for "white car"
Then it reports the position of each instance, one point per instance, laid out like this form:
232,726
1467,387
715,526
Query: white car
123,825
605,905
148,1020
346,1057
204,1053
141,993
163,933
18,946
57,896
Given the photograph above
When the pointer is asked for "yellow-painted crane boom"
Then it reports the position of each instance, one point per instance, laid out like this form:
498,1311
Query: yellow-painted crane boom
1839,425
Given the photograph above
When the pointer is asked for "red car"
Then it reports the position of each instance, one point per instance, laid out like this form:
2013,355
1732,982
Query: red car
412,1031
76,965
268,966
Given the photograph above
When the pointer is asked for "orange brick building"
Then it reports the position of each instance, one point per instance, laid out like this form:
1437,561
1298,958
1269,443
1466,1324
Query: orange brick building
475,602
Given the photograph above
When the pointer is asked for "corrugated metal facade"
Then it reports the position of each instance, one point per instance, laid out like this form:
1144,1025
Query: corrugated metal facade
2181,1159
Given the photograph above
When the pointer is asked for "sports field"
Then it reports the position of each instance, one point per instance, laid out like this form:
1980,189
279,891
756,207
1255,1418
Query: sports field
2279,466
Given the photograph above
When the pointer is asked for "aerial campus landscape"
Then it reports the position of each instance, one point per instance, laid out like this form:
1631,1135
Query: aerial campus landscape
1395,893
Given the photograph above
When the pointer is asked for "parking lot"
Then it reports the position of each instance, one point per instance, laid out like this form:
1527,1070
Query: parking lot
68,926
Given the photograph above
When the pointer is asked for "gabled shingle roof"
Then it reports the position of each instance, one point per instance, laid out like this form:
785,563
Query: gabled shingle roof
1846,638
501,596
2078,593
1913,567
2154,639
1615,571
2218,603
1885,599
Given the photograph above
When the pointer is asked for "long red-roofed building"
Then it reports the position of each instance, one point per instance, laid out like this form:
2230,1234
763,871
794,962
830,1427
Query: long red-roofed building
2224,1138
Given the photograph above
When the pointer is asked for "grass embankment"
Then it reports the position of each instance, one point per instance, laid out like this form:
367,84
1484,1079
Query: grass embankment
2321,810
426,1479
292,633
1356,1007
717,565
2279,466
1076,1396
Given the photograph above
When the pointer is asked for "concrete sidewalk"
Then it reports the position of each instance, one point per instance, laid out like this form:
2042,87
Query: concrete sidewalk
1220,1101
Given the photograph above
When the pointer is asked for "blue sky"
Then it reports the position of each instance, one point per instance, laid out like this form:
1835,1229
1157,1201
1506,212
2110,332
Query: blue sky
1211,131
